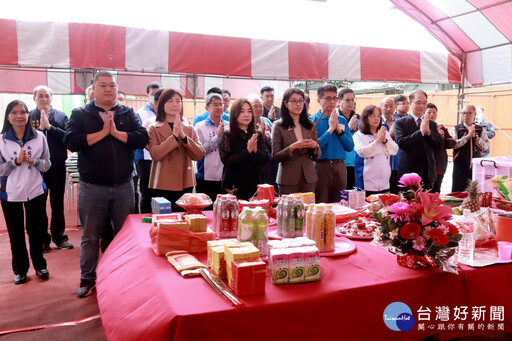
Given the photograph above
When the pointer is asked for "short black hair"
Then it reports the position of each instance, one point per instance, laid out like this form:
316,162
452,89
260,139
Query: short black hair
153,85
431,106
121,93
400,98
326,87
158,93
102,74
266,88
214,90
226,92
343,92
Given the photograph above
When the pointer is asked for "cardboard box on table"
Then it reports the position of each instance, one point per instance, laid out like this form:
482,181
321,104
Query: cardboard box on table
248,276
240,251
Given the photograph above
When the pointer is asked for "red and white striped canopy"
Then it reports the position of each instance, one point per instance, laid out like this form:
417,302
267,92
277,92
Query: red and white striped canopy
96,46
477,31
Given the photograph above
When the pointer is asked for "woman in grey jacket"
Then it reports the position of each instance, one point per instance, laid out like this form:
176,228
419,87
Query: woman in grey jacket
295,145
24,155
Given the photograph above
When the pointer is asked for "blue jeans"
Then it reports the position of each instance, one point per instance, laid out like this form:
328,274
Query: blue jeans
96,203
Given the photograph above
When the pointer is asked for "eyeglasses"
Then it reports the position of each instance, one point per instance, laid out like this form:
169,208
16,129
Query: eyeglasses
348,100
419,102
467,113
329,98
294,101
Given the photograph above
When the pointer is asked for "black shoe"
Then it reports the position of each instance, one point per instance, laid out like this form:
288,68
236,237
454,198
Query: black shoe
20,278
43,273
85,288
65,245
46,248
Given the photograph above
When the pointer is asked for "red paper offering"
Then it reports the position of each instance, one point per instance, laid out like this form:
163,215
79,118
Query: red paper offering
266,191
165,239
248,276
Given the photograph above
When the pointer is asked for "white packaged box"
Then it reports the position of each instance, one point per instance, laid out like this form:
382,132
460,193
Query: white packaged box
489,167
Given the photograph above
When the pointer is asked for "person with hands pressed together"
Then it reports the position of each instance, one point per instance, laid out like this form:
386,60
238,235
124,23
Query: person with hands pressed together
418,139
471,141
24,155
335,140
173,144
295,145
242,150
347,107
268,170
374,146
52,123
209,131
105,135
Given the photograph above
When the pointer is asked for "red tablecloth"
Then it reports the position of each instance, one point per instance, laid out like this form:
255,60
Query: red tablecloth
142,297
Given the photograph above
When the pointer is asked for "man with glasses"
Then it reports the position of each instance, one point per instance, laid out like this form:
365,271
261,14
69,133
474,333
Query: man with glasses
226,100
204,115
470,142
402,107
347,105
418,138
209,168
387,106
335,140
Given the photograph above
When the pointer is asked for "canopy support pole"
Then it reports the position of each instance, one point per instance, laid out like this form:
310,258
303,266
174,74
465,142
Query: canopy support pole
462,95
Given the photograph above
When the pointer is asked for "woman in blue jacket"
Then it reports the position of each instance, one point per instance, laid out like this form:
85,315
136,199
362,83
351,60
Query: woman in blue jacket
24,156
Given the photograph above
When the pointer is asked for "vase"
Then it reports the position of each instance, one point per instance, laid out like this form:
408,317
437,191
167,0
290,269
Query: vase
414,261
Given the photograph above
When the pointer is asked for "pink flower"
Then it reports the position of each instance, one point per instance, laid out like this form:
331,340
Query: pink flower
410,180
426,232
400,211
431,208
444,228
418,243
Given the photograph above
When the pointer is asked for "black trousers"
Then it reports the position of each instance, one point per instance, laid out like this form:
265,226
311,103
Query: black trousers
437,184
14,218
351,177
460,176
210,188
55,180
144,170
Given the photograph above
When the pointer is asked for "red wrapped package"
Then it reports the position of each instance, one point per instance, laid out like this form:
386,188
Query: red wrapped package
165,239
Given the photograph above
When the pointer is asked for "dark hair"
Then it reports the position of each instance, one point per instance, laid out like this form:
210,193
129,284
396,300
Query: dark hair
343,92
226,92
285,113
214,90
411,96
153,85
400,98
158,93
364,126
102,74
431,106
236,109
121,93
326,87
266,88
7,124
166,95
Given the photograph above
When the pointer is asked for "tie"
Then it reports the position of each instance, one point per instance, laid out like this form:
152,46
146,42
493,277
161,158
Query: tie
418,122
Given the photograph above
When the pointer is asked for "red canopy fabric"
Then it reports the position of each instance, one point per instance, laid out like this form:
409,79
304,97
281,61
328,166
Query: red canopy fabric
476,31
96,46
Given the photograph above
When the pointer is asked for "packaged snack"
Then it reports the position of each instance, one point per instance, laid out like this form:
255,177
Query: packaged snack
186,264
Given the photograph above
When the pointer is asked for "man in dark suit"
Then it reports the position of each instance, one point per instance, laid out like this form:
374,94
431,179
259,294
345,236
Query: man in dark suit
418,138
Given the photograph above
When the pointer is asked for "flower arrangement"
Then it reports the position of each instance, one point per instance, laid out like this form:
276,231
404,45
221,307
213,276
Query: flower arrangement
415,225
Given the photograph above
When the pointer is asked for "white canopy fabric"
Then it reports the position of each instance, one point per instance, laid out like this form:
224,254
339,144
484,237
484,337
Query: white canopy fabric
478,32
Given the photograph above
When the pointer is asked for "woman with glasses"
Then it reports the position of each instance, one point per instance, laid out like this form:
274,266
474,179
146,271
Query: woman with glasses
24,155
373,146
173,144
242,151
295,145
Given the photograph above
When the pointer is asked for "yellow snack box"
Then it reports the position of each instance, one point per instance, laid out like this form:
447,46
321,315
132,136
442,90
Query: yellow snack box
241,251
166,223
